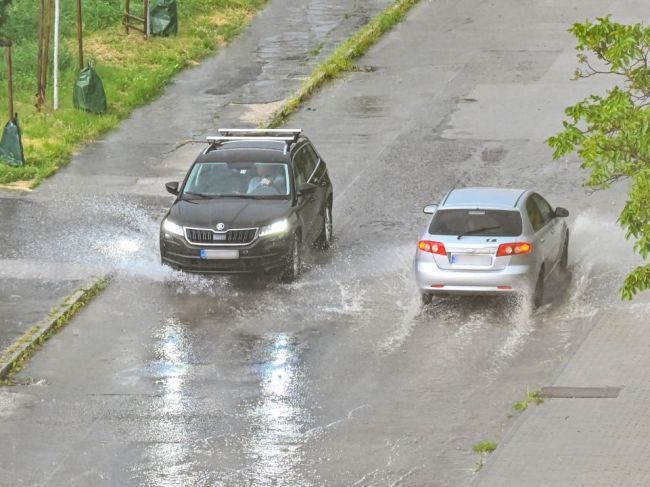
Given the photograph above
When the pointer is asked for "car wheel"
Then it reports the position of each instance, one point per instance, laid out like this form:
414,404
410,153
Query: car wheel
325,238
426,298
538,295
564,260
293,264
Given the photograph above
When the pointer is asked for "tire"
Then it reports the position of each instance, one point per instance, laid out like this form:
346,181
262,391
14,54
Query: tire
538,293
426,298
564,259
293,264
324,240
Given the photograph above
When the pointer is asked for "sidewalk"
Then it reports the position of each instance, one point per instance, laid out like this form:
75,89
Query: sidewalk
587,442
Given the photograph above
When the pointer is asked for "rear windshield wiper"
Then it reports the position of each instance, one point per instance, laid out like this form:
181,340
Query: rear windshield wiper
478,230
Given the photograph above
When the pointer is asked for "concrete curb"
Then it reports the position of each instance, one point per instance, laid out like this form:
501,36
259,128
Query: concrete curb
13,356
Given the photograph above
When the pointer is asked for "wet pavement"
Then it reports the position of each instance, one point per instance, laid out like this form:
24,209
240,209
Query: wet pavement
340,378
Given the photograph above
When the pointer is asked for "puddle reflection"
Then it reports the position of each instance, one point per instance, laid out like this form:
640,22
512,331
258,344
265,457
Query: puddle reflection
279,416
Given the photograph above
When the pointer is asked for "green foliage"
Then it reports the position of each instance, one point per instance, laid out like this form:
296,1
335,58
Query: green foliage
485,446
134,71
611,133
3,15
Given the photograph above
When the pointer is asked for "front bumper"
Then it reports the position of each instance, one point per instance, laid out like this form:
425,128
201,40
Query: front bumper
512,279
263,255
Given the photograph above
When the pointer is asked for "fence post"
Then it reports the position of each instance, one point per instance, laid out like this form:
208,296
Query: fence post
80,36
10,81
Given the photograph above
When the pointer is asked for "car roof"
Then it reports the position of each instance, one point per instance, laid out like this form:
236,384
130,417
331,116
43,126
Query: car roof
246,151
482,198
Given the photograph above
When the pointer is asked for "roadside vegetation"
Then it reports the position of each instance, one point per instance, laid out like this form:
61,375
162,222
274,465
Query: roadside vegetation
611,132
134,70
342,59
532,397
483,448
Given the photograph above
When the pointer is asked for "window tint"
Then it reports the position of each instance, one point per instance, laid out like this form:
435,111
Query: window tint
490,223
545,209
303,165
262,179
534,214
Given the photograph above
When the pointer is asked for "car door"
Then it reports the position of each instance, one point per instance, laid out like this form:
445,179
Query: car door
319,177
303,167
554,233
542,240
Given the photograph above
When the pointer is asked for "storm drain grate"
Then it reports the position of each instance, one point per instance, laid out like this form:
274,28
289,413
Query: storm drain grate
557,392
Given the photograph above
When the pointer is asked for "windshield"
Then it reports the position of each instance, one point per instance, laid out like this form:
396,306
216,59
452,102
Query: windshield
482,223
260,180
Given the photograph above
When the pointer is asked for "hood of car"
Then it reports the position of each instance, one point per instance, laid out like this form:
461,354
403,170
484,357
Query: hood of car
231,212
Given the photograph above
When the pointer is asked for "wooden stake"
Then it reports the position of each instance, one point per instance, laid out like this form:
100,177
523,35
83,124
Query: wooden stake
10,80
146,19
127,9
39,65
80,36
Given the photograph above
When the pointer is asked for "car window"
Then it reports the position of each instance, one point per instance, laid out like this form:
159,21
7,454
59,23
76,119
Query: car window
492,223
534,214
303,166
259,179
545,209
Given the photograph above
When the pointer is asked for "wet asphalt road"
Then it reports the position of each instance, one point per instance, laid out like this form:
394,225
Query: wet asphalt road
340,378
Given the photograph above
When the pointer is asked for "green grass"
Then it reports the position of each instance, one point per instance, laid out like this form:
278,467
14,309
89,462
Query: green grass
134,71
485,446
342,59
533,397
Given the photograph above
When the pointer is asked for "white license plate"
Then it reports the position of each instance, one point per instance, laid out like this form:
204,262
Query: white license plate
225,254
467,259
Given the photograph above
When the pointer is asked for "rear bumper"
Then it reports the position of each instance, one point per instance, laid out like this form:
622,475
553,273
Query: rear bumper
513,279
264,255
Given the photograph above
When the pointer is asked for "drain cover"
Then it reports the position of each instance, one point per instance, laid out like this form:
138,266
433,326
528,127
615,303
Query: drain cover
581,392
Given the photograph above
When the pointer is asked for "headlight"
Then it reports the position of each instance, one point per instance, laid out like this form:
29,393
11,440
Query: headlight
172,227
275,228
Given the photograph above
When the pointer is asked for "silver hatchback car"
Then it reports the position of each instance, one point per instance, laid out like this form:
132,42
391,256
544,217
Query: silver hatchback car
491,241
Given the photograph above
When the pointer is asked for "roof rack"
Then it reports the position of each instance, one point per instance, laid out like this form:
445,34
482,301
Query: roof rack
262,133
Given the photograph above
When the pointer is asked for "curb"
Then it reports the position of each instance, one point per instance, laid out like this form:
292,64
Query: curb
14,356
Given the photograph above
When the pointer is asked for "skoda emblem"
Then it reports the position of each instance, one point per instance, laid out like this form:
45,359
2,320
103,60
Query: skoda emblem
221,226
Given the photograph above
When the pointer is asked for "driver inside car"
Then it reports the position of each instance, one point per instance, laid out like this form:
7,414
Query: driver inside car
265,181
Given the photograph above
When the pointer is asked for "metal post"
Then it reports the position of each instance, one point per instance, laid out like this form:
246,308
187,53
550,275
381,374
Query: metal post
39,66
10,80
80,36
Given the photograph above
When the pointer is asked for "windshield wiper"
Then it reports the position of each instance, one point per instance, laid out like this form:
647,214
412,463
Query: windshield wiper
478,230
200,195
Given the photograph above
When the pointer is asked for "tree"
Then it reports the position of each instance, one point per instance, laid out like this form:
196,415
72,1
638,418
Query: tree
611,133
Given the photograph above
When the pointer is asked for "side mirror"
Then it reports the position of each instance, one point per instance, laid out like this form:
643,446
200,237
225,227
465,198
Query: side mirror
306,188
172,187
561,212
430,209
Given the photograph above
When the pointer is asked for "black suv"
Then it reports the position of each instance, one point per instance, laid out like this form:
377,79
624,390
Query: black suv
250,203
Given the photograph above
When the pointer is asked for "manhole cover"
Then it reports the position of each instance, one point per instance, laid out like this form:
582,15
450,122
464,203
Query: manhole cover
580,392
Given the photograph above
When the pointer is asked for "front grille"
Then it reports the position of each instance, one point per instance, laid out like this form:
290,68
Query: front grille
232,237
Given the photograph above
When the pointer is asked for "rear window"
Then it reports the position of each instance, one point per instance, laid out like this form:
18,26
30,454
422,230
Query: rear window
487,223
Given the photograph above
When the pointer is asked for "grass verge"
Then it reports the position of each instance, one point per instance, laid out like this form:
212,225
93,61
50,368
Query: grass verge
342,59
134,71
14,358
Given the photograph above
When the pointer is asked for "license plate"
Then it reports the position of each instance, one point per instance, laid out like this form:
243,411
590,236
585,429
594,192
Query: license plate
466,259
219,236
225,254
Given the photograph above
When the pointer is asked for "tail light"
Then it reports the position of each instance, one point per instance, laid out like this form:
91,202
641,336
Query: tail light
432,247
516,248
